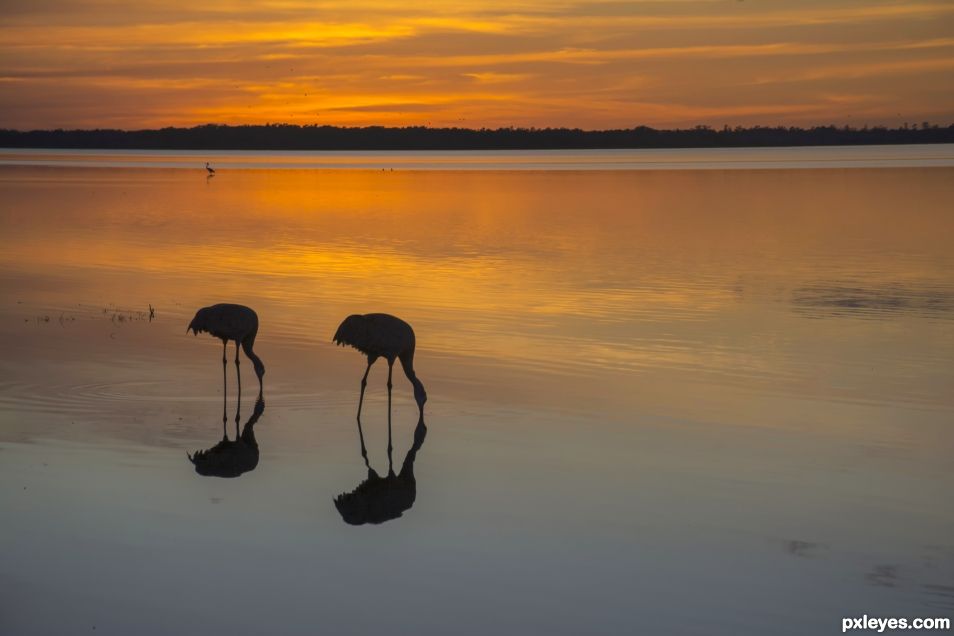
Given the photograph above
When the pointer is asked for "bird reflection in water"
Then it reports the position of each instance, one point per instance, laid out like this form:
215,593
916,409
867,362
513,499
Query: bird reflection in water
378,499
231,458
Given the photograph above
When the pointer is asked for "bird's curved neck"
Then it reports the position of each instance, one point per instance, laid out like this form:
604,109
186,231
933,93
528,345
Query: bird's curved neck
256,362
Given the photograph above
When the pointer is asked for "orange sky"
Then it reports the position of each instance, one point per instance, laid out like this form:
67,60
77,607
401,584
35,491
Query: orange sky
592,64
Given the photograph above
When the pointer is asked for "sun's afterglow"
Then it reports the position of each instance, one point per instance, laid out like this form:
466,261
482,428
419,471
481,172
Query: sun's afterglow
66,63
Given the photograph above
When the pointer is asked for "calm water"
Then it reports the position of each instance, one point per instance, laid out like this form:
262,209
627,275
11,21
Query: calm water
660,401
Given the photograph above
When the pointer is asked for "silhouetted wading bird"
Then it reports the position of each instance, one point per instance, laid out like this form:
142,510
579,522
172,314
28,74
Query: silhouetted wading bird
382,336
231,322
209,169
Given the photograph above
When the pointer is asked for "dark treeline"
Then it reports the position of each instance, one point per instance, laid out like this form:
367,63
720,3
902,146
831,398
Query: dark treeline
291,137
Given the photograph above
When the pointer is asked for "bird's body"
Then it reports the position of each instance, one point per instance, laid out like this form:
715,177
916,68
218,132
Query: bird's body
231,322
209,169
378,335
382,336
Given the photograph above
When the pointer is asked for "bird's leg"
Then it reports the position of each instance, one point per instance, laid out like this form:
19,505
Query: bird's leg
364,449
390,447
364,383
238,402
238,373
225,418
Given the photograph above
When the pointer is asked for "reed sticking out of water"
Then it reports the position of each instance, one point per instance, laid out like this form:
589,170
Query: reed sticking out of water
128,315
114,314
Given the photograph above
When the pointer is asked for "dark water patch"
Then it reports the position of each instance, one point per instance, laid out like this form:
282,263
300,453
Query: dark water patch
803,549
836,299
883,576
940,596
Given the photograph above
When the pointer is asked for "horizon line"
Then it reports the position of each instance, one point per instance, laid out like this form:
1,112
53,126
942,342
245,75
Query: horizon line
906,126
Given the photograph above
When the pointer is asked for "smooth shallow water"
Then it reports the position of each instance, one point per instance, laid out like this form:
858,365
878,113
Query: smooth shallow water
689,402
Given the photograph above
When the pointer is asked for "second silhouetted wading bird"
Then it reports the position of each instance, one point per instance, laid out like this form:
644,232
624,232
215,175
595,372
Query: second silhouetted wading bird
231,322
382,336
209,169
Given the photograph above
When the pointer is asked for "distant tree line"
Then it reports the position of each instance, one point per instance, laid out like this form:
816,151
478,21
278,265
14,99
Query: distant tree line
314,137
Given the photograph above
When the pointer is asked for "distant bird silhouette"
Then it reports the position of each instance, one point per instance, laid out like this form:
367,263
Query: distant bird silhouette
209,169
382,336
231,322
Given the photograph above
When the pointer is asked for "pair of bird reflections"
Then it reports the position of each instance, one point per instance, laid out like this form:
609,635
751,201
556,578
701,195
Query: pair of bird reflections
376,499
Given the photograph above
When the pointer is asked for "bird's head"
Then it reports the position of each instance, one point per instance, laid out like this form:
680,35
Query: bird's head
259,368
420,396
199,321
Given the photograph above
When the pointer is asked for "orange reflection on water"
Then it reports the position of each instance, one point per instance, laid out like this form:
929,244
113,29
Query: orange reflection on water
619,277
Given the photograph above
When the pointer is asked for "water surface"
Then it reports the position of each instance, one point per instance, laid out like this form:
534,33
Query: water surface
660,401
893,156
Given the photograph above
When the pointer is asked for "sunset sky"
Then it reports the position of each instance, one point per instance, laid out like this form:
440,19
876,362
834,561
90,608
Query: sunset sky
589,64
